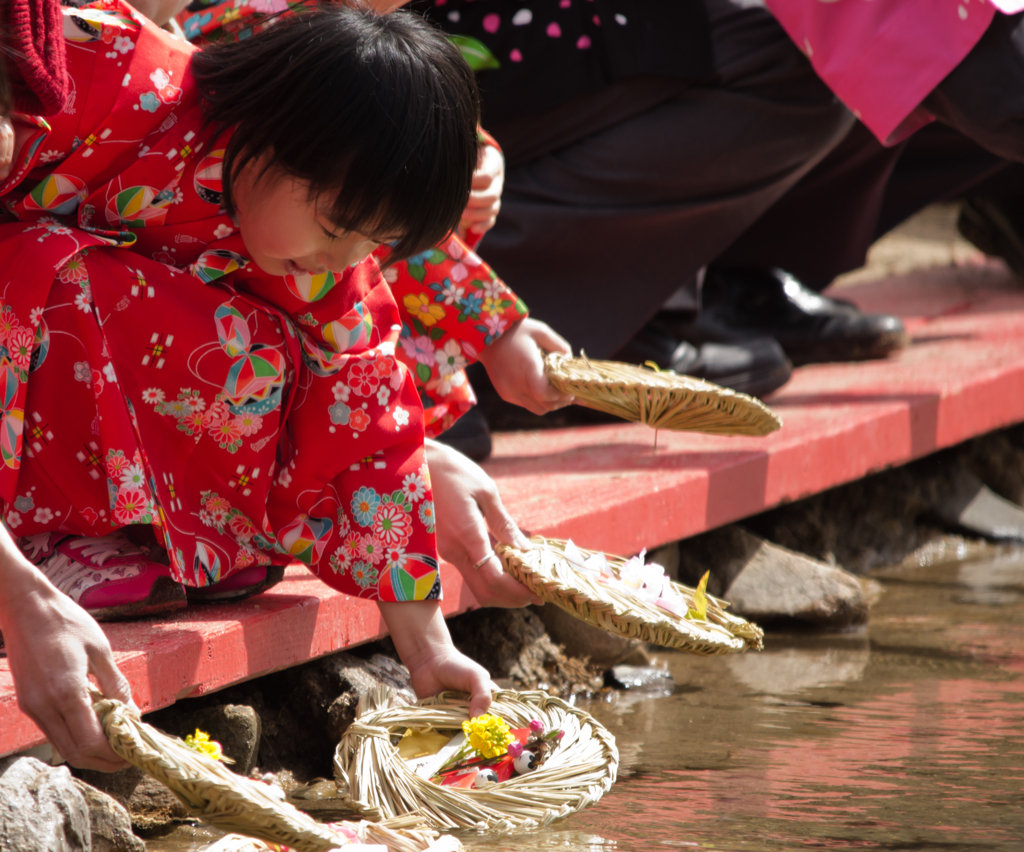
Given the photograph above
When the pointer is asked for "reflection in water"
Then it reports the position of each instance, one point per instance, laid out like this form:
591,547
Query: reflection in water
907,737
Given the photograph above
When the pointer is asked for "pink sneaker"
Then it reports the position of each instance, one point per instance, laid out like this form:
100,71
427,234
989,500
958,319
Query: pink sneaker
109,577
239,586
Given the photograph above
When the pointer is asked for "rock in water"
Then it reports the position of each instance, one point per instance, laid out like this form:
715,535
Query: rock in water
41,808
110,824
765,582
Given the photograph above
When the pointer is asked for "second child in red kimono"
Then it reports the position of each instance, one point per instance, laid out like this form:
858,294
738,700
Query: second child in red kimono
212,359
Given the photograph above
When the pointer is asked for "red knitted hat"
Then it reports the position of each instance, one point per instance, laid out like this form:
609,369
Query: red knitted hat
32,31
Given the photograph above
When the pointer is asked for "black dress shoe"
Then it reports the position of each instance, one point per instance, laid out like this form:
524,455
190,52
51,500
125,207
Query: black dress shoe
756,366
996,226
469,435
811,328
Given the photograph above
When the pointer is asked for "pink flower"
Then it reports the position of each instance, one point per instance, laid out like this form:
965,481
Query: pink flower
420,349
116,464
351,546
392,525
370,549
217,504
492,22
383,365
242,528
20,341
73,271
131,504
249,424
217,413
495,325
363,378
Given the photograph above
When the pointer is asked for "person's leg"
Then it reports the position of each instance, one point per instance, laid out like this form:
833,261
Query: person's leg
596,235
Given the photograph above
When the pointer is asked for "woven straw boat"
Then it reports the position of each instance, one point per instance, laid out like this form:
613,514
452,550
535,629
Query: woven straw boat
213,793
662,400
545,570
577,771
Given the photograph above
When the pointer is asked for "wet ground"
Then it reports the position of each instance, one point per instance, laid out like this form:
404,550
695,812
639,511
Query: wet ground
908,735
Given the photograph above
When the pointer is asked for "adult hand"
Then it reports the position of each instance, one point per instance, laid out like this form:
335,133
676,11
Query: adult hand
515,366
467,505
52,646
485,196
6,146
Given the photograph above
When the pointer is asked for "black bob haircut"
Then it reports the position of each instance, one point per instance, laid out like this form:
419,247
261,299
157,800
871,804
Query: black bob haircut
380,112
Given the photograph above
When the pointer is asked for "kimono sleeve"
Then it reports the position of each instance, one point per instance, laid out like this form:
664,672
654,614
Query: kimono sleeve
452,305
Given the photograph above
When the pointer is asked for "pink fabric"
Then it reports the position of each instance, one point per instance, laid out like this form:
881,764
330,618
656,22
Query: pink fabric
883,57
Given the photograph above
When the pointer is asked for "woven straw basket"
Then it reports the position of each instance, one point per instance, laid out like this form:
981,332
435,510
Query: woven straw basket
213,793
662,400
578,770
547,573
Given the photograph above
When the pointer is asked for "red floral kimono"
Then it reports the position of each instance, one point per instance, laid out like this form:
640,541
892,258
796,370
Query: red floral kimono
151,374
452,303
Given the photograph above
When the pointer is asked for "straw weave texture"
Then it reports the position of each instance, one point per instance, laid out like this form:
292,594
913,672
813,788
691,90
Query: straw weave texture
576,772
213,793
661,400
547,573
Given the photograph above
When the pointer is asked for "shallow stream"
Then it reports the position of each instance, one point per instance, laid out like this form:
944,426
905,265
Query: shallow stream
908,735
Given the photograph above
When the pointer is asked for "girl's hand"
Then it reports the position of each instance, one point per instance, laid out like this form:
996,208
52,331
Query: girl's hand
485,196
467,505
515,366
53,645
6,146
421,637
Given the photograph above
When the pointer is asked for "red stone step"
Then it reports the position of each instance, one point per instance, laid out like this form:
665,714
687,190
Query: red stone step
608,487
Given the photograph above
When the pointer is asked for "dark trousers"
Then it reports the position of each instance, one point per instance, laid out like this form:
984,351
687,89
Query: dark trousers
614,201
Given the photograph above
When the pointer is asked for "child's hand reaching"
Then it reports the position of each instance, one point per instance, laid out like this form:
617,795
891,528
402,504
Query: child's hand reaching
515,366
485,195
421,637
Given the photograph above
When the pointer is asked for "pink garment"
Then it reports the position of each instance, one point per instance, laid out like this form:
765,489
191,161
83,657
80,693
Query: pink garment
883,57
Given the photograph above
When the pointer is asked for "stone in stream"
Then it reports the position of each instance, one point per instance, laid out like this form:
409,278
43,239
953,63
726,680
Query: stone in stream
41,808
765,582
109,822
970,505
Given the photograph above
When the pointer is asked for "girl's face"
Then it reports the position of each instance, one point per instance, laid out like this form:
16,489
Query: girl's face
285,231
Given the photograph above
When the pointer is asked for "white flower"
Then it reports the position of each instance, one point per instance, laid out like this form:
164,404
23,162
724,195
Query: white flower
123,44
284,478
222,230
13,520
390,275
341,391
414,488
50,156
401,417
133,475
42,516
153,395
34,316
450,293
383,395
450,359
83,301
108,372
387,348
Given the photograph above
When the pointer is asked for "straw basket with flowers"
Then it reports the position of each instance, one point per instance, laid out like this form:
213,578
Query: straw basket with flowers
531,760
218,796
629,597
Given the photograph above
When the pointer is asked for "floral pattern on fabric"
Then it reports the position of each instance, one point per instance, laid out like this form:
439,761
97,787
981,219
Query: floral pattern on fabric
150,373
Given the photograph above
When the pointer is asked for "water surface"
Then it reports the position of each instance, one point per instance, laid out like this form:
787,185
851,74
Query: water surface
908,735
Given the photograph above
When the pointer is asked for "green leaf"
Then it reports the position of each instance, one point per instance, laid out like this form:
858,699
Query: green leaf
475,52
436,333
416,271
437,256
699,612
423,371
416,324
521,307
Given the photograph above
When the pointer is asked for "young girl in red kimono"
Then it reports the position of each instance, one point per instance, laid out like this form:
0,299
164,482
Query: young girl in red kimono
215,359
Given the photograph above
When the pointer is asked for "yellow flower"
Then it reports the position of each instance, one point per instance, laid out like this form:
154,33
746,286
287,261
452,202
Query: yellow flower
420,306
491,306
202,743
488,735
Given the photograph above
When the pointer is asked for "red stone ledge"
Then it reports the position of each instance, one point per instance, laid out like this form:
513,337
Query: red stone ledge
609,488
